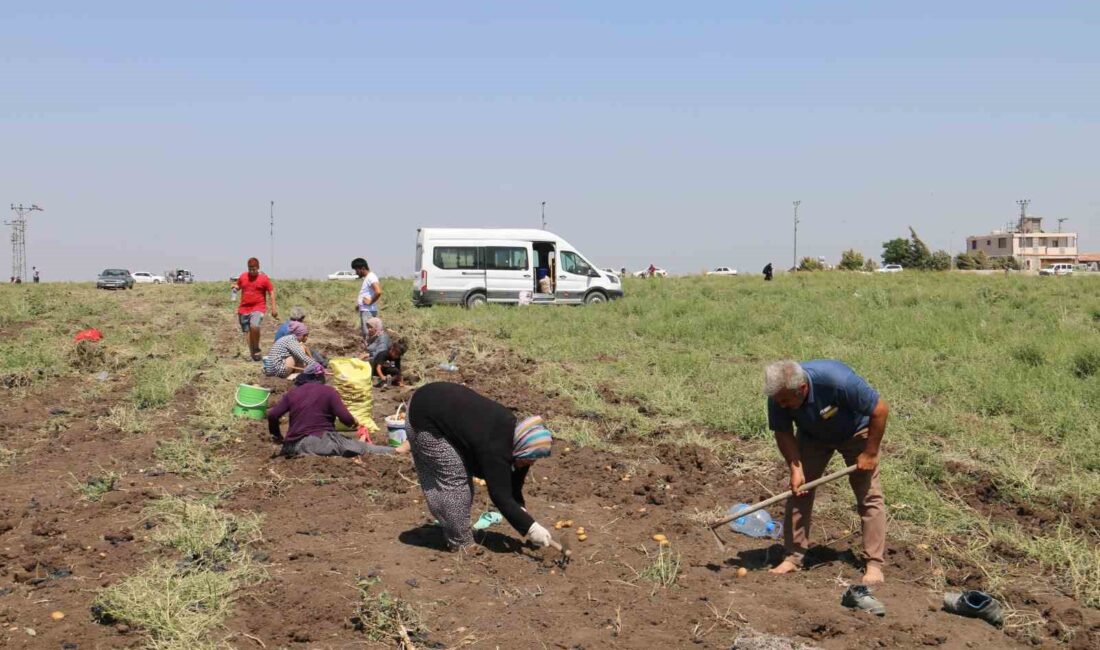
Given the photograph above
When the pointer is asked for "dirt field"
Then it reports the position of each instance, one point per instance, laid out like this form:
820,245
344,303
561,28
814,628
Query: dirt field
329,522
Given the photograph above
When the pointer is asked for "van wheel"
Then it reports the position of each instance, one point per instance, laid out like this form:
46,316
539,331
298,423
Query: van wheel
476,300
595,298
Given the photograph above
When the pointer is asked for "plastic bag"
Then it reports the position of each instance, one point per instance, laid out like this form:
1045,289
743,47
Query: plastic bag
352,380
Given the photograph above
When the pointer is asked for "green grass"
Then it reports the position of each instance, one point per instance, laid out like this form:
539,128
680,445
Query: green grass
179,604
94,487
201,532
382,616
662,568
176,608
188,456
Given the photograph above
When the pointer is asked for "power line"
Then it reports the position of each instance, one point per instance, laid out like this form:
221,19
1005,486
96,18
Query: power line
19,239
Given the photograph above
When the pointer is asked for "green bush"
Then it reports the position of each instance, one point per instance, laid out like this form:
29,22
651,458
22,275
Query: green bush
851,260
810,264
1086,363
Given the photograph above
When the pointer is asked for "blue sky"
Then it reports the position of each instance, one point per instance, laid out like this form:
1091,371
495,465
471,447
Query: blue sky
155,134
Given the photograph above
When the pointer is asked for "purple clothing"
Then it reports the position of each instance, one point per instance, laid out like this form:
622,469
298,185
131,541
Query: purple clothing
313,408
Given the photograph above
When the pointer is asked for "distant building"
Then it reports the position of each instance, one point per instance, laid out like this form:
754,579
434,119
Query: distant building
1033,248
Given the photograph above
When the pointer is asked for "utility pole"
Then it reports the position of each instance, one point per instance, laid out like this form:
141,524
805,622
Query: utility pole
544,215
796,204
19,239
271,268
1060,223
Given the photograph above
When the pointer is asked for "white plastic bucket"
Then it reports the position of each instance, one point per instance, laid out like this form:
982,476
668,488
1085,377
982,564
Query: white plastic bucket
395,426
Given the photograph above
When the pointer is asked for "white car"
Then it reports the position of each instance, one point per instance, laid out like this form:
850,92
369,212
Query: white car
343,275
891,268
722,270
657,273
1057,269
145,277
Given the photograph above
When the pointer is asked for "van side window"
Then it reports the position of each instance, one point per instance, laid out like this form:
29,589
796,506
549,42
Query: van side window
572,263
505,258
455,257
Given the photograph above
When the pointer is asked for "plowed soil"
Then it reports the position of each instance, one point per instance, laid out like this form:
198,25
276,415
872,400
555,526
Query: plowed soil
329,521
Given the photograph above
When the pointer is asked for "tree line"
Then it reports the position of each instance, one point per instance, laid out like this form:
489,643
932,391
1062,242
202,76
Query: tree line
912,253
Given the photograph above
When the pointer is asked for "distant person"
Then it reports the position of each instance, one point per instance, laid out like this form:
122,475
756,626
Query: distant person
378,340
651,271
37,278
834,409
369,293
314,408
622,272
296,314
768,272
289,354
254,287
386,366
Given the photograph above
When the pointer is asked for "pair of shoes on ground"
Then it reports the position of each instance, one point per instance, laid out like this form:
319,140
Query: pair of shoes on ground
975,604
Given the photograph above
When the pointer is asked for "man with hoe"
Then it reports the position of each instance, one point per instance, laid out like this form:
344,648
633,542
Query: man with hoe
835,410
254,289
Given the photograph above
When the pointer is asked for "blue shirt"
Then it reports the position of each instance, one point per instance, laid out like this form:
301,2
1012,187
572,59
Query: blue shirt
282,330
838,405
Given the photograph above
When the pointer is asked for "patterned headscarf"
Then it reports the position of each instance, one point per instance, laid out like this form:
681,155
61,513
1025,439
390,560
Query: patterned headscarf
374,326
531,439
298,329
313,372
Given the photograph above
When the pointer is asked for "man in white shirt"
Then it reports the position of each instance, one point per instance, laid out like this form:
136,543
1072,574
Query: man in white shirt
369,293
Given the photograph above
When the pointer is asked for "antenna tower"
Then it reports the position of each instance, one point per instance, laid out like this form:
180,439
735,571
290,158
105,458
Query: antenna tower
19,239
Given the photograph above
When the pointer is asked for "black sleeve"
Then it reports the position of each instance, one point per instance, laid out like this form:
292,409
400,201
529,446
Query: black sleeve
519,476
499,479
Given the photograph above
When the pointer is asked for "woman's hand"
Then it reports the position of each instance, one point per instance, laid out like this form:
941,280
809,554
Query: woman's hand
539,535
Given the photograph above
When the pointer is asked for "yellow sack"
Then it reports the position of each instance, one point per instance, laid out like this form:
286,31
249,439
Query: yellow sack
351,378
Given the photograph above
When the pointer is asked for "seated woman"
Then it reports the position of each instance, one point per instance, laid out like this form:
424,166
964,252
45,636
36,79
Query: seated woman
296,314
289,354
456,434
377,339
313,407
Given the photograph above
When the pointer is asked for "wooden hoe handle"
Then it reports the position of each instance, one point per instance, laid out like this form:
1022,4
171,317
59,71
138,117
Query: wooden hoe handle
784,496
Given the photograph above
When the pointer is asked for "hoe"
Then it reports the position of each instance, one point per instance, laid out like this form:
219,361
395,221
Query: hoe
776,499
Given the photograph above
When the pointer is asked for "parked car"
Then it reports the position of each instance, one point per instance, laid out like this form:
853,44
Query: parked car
115,279
657,273
722,270
891,268
473,266
145,277
1057,269
343,275
181,276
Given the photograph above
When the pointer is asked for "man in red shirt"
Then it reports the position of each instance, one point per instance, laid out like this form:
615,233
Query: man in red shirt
254,288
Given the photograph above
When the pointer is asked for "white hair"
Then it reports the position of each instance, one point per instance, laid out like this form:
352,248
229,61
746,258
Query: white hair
783,375
297,313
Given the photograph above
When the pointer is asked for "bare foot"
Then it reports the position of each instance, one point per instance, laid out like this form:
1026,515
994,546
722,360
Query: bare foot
873,575
786,566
